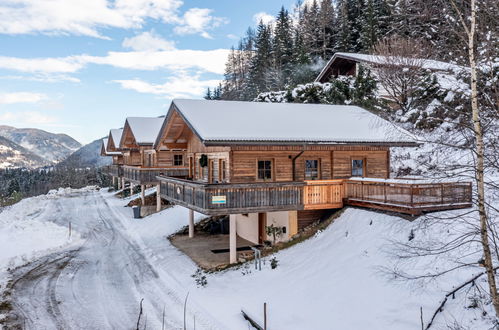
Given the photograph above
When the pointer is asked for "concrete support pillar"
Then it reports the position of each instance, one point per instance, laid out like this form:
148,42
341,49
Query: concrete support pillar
122,182
131,188
143,194
191,223
158,197
232,239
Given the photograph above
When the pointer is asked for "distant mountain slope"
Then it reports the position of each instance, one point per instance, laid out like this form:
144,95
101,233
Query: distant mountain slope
87,156
51,147
14,155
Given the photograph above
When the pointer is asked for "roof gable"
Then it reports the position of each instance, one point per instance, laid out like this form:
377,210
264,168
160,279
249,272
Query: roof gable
140,131
226,122
380,60
114,139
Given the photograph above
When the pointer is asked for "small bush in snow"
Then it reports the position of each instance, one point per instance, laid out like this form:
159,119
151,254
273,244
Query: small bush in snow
200,278
411,235
274,262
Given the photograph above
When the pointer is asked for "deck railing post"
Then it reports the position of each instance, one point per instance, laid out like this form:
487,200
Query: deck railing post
442,193
384,191
412,195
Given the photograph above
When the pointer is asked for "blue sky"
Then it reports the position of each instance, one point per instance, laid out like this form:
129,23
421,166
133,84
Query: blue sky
82,66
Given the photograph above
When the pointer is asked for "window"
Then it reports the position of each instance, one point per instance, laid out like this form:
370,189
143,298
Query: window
178,160
221,170
311,169
264,170
357,167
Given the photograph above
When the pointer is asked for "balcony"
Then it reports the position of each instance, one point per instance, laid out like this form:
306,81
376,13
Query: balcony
408,196
219,199
114,170
391,195
147,175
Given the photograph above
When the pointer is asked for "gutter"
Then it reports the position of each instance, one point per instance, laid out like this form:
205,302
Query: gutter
293,160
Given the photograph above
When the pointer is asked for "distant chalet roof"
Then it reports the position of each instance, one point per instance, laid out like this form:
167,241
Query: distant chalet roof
108,153
145,129
116,135
225,122
379,59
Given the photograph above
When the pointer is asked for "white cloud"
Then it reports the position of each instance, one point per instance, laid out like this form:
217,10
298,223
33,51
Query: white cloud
68,64
232,36
180,86
199,21
43,77
263,17
21,97
26,117
207,60
212,61
148,41
82,17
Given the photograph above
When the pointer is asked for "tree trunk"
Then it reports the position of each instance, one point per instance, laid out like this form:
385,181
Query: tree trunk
479,173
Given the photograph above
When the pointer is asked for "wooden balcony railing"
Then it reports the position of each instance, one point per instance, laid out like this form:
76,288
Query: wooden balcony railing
323,194
393,195
215,199
408,197
114,170
147,175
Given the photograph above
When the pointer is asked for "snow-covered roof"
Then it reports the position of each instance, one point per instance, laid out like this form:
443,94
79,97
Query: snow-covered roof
108,153
116,136
145,129
379,59
236,121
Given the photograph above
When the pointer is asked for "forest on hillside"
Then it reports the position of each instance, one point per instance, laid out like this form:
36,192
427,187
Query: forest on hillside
294,47
18,183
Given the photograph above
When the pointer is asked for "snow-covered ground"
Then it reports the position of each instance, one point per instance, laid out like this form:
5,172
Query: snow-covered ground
335,280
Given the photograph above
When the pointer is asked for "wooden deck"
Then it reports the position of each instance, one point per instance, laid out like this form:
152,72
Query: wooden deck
392,195
219,199
147,175
411,198
114,170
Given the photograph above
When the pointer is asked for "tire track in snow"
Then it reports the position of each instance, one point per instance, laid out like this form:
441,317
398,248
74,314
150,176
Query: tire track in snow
100,284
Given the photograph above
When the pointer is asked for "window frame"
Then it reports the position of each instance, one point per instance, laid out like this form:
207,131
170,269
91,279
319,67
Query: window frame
272,176
364,166
318,177
181,159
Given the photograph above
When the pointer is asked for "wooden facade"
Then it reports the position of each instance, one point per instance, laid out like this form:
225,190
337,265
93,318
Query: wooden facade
238,178
142,163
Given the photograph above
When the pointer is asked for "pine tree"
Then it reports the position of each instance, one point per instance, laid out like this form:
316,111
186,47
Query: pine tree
261,64
326,33
373,23
208,95
282,49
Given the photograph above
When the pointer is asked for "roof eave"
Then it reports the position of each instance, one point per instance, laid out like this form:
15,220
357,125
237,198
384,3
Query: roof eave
321,143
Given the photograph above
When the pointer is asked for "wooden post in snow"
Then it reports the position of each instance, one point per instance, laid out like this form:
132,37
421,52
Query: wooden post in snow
264,316
232,239
191,223
158,197
143,194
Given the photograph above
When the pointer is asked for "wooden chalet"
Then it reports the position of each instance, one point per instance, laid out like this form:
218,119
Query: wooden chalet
347,64
286,165
141,162
111,149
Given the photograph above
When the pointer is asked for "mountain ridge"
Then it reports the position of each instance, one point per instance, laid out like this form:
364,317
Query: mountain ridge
53,147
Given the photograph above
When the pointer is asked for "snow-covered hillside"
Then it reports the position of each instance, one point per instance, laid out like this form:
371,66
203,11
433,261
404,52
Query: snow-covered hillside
338,279
48,147
14,155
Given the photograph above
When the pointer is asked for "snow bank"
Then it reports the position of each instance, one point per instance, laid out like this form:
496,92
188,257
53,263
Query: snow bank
28,229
